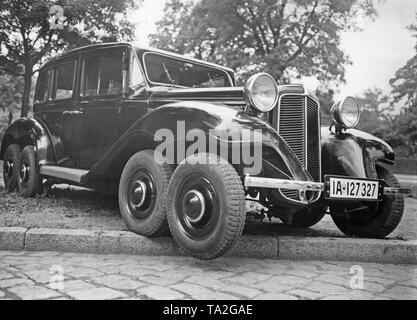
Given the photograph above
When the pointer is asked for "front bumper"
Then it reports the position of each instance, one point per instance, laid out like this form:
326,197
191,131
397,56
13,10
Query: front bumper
303,186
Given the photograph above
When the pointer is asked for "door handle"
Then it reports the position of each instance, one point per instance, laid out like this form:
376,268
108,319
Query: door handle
73,113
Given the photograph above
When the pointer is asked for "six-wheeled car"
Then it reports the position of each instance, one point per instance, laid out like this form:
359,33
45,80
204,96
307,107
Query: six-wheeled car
171,135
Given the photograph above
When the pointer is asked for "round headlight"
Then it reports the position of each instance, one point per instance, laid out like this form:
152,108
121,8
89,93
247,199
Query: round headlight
346,113
261,92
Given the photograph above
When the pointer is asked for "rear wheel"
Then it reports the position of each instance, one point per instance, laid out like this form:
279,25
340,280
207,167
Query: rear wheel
142,194
377,220
206,206
11,166
30,180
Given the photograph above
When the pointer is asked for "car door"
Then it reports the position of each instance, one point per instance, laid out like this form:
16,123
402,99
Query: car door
54,106
98,105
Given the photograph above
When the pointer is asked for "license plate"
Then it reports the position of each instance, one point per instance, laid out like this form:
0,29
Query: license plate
352,189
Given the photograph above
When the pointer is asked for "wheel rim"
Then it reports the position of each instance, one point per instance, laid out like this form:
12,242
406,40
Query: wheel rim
197,207
141,194
8,168
24,173
194,206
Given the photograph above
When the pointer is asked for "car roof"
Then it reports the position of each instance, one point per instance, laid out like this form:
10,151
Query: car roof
110,45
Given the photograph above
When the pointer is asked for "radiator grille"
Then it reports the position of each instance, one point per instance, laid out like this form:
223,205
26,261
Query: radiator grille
292,124
313,139
299,126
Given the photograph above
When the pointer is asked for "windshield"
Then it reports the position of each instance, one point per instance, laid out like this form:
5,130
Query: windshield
170,71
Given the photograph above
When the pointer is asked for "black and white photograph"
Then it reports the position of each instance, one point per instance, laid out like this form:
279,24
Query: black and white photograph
208,154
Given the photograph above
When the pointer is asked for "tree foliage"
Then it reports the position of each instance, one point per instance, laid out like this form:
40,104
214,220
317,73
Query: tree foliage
26,35
376,113
404,90
11,88
404,83
287,38
326,98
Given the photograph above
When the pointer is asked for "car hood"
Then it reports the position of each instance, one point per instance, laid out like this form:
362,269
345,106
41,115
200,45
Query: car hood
229,96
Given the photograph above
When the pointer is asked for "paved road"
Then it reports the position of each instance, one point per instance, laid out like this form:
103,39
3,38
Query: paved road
49,275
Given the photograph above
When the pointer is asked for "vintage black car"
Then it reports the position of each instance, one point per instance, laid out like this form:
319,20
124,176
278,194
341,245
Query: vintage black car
98,115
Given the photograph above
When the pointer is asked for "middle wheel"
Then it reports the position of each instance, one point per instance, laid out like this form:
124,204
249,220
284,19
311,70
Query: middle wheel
142,193
206,206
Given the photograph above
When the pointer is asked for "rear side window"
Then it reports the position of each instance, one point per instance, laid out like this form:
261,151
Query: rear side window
102,76
42,86
91,75
64,81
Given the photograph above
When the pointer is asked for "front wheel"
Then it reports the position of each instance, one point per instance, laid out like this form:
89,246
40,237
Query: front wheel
206,206
378,220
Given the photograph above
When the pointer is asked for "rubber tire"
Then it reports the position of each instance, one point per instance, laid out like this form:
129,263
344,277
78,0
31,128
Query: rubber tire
34,184
156,224
13,153
388,216
305,219
229,189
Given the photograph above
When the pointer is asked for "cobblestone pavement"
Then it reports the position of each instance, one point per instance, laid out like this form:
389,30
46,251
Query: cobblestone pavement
51,275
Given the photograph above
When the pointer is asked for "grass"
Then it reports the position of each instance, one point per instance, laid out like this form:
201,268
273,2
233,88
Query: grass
77,208
60,207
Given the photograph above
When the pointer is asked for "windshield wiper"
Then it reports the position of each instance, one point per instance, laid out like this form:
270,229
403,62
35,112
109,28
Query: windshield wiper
170,79
210,80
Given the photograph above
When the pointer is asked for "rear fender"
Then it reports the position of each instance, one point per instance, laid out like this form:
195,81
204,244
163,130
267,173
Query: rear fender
32,132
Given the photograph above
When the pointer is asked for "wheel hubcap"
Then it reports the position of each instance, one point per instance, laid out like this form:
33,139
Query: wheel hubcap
24,173
8,168
197,207
139,193
194,206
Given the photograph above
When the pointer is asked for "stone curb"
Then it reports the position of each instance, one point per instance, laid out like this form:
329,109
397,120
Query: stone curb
259,247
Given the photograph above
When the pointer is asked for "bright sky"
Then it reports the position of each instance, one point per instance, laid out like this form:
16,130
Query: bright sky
377,53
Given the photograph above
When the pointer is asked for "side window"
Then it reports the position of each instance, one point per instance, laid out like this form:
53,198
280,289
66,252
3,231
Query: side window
91,73
137,79
110,75
42,86
102,76
64,81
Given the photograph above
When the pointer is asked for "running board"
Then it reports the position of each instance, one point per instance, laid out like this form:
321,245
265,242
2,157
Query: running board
68,174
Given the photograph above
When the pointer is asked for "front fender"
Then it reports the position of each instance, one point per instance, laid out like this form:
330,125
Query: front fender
33,132
353,153
212,120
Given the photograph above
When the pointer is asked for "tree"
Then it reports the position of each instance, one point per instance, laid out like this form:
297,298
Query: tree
31,30
404,92
11,88
376,113
287,38
326,98
404,83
